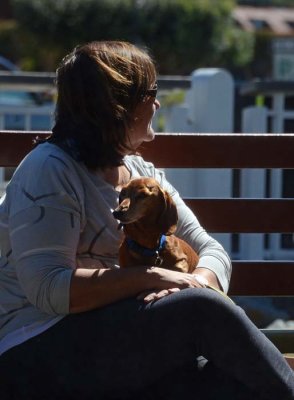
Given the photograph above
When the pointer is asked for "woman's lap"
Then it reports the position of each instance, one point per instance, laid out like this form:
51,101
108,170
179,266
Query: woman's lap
126,347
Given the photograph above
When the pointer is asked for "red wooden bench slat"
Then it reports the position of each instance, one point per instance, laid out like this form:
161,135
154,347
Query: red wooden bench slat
244,215
15,145
262,278
217,150
183,151
284,340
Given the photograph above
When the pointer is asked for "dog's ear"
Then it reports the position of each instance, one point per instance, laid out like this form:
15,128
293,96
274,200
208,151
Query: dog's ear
168,218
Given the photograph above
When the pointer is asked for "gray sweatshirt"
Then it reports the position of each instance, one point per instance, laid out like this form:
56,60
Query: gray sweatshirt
57,216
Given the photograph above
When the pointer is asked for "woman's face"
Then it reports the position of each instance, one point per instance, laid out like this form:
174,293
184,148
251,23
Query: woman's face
140,130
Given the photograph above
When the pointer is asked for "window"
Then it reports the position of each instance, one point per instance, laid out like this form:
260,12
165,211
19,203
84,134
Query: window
259,24
290,24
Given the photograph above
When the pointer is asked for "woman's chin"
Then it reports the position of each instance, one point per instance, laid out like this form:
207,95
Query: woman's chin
150,135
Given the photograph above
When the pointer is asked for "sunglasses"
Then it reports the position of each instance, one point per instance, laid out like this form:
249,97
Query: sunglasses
150,92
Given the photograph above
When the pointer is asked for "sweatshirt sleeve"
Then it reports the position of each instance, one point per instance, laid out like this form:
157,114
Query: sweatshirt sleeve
45,219
211,253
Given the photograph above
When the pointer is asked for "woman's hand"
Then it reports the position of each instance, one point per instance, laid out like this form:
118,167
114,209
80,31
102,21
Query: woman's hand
179,280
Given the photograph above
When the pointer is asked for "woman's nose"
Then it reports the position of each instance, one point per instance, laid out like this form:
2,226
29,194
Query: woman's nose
157,104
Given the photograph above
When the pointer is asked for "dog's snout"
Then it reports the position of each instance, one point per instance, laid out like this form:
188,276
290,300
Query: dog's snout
121,209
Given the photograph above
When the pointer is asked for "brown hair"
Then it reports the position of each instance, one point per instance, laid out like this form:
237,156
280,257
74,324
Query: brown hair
99,85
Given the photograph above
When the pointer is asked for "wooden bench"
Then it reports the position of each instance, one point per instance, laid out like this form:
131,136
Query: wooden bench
232,215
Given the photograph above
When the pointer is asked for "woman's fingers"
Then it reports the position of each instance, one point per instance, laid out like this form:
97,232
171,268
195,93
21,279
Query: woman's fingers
151,296
173,290
144,294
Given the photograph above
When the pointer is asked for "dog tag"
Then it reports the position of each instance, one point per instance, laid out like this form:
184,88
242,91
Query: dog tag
158,260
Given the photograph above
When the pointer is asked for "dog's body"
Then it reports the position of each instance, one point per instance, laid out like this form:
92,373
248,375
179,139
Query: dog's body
149,219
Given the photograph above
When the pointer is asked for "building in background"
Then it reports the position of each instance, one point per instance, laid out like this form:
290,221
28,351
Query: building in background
278,23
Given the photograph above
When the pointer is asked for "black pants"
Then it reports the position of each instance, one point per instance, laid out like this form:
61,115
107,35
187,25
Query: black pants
130,349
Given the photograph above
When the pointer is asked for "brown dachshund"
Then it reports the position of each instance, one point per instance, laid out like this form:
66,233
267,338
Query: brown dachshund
149,218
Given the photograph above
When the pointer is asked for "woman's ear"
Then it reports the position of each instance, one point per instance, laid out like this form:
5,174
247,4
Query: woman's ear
169,217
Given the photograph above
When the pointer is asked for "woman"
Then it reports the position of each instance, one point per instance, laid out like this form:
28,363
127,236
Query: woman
97,331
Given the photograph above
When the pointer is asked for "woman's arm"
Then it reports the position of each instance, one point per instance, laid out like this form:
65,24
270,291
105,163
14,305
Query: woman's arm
46,268
91,289
209,276
96,288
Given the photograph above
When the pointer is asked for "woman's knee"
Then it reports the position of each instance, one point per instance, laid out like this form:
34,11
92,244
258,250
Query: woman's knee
202,300
204,309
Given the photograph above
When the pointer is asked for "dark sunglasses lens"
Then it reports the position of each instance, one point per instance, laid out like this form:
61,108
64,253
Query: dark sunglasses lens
151,92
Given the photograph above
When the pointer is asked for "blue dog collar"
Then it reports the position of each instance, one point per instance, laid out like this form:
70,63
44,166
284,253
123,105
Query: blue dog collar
144,251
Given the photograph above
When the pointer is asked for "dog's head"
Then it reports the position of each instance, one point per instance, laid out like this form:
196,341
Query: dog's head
143,201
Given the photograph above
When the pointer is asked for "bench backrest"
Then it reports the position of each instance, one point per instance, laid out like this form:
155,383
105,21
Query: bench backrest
233,215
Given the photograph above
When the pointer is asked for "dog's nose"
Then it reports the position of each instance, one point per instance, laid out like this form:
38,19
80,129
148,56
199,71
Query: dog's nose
116,214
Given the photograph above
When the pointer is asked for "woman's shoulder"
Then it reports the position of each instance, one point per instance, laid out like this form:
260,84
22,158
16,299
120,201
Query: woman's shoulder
46,177
46,153
47,167
138,165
